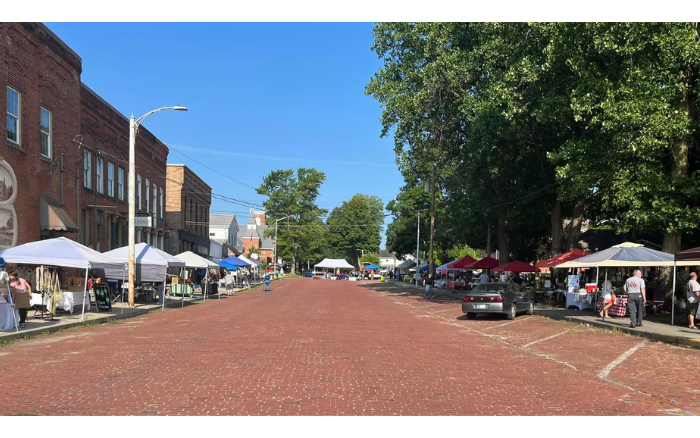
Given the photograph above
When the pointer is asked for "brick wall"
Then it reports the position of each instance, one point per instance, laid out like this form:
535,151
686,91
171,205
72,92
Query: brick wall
187,207
105,133
46,73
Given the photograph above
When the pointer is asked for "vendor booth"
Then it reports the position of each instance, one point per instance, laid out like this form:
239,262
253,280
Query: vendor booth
333,265
628,254
47,256
152,267
203,267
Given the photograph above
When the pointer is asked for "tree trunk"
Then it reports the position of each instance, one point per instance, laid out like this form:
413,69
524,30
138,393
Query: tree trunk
576,221
503,241
679,169
557,230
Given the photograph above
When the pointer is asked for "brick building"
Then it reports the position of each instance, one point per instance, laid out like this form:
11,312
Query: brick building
104,198
253,236
64,163
187,211
40,90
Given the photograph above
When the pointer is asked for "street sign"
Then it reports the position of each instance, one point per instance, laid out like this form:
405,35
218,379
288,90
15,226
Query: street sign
143,221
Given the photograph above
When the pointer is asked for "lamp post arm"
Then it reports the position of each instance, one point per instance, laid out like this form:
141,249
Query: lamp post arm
140,119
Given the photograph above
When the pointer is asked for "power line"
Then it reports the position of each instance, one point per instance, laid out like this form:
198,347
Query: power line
284,159
214,170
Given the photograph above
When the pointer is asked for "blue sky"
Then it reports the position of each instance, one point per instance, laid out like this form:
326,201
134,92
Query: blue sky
288,91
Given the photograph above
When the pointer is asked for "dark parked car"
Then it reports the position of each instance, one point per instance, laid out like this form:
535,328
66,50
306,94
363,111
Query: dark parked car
504,298
309,273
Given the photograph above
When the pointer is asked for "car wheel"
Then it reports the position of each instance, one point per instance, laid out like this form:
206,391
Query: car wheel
511,314
531,309
471,315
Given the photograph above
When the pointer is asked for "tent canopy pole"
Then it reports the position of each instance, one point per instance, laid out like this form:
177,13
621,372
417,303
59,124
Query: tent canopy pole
85,292
673,294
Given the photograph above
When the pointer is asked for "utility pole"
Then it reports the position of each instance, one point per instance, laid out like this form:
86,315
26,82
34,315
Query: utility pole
417,248
432,221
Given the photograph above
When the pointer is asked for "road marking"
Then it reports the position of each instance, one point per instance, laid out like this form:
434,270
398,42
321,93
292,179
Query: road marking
603,374
523,318
546,339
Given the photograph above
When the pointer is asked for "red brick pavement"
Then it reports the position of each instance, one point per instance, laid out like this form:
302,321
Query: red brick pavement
332,348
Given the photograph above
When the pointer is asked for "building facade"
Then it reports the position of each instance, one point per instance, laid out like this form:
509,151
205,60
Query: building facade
104,197
252,237
223,228
39,159
188,199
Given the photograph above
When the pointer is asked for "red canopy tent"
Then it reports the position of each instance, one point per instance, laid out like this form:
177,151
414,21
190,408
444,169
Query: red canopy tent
516,267
562,258
485,263
459,264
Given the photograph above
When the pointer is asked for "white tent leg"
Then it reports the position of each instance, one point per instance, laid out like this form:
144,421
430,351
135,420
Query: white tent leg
122,287
673,294
206,284
163,293
14,311
183,287
85,293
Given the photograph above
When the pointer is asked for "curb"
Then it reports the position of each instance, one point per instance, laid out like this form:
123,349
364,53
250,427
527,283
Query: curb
669,339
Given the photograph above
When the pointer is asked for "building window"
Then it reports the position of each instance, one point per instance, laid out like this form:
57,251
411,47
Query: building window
13,115
87,169
155,200
110,178
120,183
99,174
148,195
138,189
161,202
45,132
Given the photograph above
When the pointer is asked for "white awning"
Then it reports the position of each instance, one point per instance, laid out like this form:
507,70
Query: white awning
334,264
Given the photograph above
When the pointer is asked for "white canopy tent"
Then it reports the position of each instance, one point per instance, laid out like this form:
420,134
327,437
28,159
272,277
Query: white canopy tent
65,253
628,254
334,264
196,261
151,263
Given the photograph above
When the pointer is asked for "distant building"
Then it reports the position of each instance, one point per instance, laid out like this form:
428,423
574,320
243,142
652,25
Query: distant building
187,211
253,236
223,228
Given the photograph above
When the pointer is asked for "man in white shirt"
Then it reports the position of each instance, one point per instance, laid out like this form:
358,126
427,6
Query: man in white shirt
228,280
483,278
636,298
693,291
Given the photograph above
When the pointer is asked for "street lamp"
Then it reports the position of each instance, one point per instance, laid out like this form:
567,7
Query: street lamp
286,217
133,129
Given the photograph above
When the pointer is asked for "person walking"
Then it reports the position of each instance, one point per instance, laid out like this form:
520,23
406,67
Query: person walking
267,281
693,291
228,282
636,292
21,296
429,287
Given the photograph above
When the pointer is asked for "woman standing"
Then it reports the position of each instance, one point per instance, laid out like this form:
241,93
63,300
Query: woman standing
608,298
21,295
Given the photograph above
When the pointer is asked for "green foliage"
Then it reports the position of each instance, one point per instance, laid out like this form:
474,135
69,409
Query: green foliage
294,195
357,224
370,258
514,116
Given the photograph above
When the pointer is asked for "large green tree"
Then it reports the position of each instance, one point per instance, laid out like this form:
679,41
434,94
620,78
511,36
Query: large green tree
355,225
294,195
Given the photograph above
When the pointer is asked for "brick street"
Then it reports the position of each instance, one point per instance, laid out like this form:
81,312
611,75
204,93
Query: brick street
315,347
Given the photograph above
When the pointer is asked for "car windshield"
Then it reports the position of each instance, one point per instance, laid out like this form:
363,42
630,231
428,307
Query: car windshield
490,288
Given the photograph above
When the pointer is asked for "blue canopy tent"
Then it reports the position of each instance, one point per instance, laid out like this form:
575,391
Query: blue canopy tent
234,261
426,267
371,267
228,266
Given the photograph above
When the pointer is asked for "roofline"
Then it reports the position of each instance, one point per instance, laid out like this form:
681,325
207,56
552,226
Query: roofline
63,43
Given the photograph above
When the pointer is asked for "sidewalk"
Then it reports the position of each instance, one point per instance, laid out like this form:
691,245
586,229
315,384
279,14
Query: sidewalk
680,335
37,326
